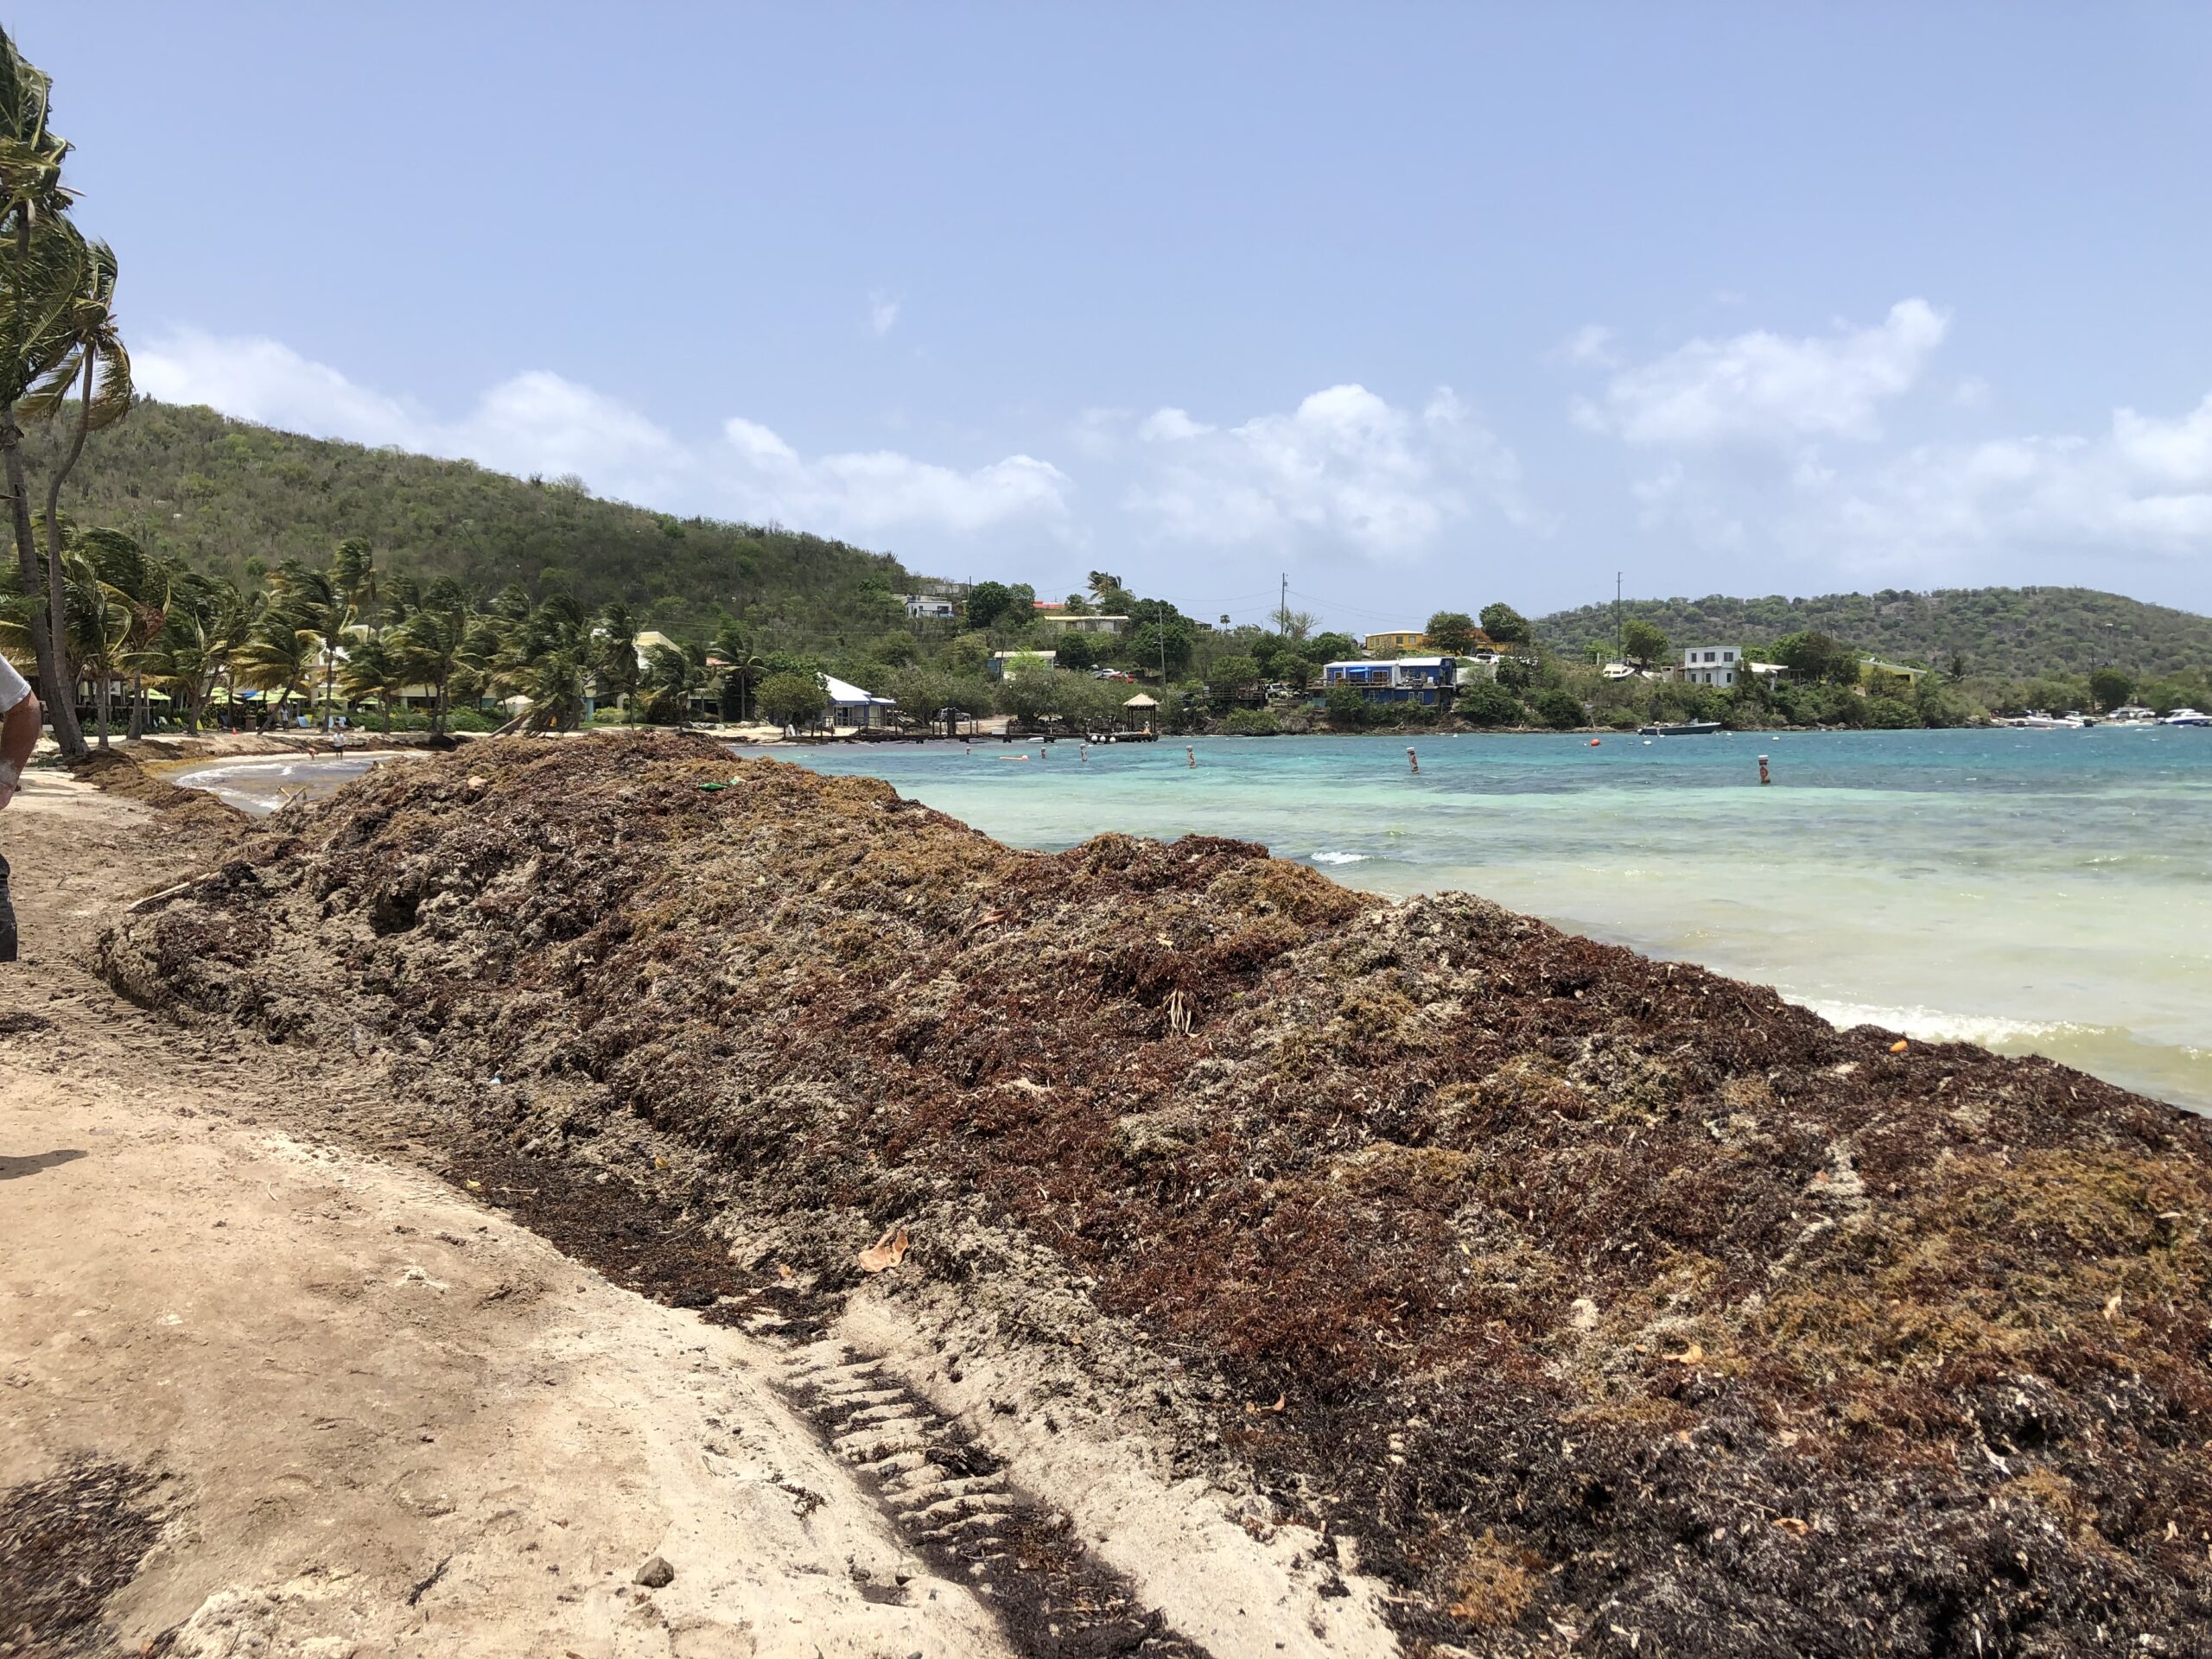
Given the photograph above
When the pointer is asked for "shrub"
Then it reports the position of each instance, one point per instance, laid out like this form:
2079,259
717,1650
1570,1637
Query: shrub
1485,702
1559,710
1887,713
1619,719
1251,723
1348,711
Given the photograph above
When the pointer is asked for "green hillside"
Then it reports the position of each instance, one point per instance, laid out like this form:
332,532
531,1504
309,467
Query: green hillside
223,492
2018,633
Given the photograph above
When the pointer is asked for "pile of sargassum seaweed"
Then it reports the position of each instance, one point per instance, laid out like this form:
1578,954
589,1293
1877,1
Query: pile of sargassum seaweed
1599,1298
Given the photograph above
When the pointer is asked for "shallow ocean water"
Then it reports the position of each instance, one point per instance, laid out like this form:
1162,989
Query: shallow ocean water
2042,892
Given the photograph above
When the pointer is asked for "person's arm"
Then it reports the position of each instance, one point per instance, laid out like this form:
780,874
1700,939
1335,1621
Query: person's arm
19,730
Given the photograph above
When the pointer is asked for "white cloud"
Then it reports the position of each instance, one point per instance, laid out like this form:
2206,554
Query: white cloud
263,380
1592,343
868,492
1763,389
539,422
2142,489
1169,425
1985,509
1345,468
882,312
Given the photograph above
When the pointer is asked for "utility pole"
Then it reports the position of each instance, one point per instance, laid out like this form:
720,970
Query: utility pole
1282,608
1617,616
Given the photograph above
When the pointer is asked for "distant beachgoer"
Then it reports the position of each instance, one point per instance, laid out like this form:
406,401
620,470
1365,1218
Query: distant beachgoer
1190,753
19,724
1412,759
1765,777
1083,753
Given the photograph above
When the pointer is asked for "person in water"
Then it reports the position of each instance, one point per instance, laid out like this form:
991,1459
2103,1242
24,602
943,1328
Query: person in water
19,724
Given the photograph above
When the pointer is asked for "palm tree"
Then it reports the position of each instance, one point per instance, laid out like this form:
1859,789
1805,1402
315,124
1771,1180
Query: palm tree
741,664
41,263
353,572
614,656
313,604
545,655
434,645
96,372
670,677
376,666
279,658
140,582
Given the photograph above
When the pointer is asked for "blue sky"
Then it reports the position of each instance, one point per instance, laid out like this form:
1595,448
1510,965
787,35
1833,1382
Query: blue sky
1421,305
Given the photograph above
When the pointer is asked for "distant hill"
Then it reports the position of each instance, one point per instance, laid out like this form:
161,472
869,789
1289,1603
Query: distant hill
2014,632
222,491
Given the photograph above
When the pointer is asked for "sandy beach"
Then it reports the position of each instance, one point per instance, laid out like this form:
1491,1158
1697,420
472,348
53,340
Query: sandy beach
358,1413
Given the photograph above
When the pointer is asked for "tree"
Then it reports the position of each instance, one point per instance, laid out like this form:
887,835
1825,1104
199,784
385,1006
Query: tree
434,645
40,263
1642,643
1505,626
280,657
614,652
1148,641
142,585
1347,710
741,667
1110,593
97,369
791,699
1232,678
311,604
1329,648
1453,633
672,675
988,602
375,668
1076,650
1812,656
1485,702
2110,688
1560,710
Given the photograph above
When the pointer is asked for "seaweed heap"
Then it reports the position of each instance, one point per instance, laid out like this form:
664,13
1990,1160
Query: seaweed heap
1609,1304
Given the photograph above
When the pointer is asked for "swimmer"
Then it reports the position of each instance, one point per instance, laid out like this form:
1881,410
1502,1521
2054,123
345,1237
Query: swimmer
1413,760
1190,753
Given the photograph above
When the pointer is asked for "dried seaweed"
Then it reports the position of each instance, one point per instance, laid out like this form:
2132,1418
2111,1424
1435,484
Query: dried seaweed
1611,1303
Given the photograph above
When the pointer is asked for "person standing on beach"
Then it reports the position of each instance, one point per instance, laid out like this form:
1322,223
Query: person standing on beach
19,724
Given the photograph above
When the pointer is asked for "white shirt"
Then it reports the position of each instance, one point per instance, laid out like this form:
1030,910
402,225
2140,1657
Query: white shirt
14,688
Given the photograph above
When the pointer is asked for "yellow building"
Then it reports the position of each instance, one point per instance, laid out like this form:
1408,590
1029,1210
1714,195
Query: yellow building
1400,640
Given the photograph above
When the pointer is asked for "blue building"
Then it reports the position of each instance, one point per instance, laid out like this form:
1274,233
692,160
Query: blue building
1425,680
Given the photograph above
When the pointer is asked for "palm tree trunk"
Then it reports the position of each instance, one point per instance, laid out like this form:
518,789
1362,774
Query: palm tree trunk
101,688
57,621
57,690
138,705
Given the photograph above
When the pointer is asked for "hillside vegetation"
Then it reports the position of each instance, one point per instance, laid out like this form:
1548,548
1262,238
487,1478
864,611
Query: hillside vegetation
231,498
2017,633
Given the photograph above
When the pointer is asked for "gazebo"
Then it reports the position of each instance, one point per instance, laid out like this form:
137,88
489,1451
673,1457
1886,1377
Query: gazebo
1145,710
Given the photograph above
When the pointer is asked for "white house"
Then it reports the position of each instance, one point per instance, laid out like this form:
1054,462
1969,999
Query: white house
850,706
1068,622
928,607
1711,664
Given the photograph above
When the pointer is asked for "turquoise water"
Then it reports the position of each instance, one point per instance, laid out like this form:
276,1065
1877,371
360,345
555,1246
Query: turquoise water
2037,891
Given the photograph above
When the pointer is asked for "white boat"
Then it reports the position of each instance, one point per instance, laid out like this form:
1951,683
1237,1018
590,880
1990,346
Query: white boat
2135,716
2187,717
2036,721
